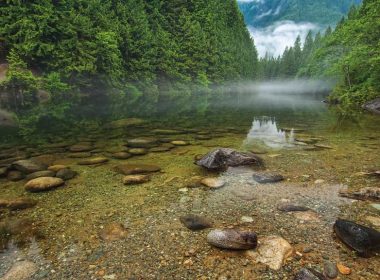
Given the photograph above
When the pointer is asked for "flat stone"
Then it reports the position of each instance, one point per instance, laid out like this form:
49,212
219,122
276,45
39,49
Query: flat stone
135,179
81,148
272,251
123,123
21,203
66,174
195,222
45,173
121,155
319,181
21,270
28,166
213,183
43,184
309,274
285,207
56,168
159,149
93,161
131,169
232,239
167,131
179,143
143,142
113,232
138,151
203,137
266,177
321,146
80,155
376,206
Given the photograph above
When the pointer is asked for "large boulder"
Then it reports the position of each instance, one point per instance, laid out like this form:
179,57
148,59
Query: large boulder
28,166
221,159
373,106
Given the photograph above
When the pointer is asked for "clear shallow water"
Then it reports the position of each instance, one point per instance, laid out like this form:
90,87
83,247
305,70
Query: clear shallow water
67,223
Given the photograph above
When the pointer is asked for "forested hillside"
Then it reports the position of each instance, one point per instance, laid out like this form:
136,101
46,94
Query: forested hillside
73,51
324,12
350,55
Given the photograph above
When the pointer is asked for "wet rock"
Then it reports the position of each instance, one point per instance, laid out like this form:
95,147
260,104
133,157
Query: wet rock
18,203
80,148
66,174
45,160
121,155
143,142
266,177
159,149
370,193
194,222
344,270
15,176
309,274
232,239
179,143
213,183
21,270
285,207
373,106
80,155
135,179
272,251
330,270
131,169
93,161
28,166
220,159
168,145
56,168
138,151
362,239
113,232
43,184
38,174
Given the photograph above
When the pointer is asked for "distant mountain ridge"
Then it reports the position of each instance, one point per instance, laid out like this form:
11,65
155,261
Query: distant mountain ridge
262,13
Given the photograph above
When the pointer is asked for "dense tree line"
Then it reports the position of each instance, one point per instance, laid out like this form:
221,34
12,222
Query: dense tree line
350,54
142,50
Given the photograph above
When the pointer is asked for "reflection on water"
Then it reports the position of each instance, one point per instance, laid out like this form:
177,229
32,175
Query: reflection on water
265,131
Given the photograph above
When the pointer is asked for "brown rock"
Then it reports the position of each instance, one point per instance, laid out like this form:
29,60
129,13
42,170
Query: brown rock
20,203
15,175
56,168
22,270
113,232
131,169
343,269
38,174
93,161
135,179
213,183
43,184
28,166
138,151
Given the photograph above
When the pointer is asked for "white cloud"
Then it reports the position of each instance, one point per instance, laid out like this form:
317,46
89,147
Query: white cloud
275,38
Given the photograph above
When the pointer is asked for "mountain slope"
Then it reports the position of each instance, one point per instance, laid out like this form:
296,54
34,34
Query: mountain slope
262,13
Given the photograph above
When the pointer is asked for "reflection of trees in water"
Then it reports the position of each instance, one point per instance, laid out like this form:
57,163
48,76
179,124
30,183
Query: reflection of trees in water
344,119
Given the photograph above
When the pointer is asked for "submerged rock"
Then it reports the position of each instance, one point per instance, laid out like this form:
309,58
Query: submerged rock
362,239
80,155
21,270
131,169
213,183
370,193
194,222
113,232
330,270
135,179
78,148
56,168
373,106
143,142
123,123
138,151
285,207
15,175
232,239
221,159
66,174
309,274
179,143
159,149
272,251
266,177
121,155
18,203
28,166
43,184
93,161
38,174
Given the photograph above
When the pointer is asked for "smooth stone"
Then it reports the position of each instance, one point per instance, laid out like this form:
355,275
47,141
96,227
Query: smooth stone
330,270
131,169
159,149
246,219
143,142
38,174
18,203
232,239
121,155
28,166
309,274
221,159
285,207
344,270
373,220
179,143
213,183
15,176
43,184
369,193
56,168
135,179
194,182
66,174
93,161
138,151
272,251
21,270
362,239
266,177
194,222
113,232
81,148
80,155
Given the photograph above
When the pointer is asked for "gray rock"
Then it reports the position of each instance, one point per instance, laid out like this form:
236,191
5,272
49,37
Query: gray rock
266,177
308,274
373,106
330,270
232,239
138,151
121,155
131,169
28,166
